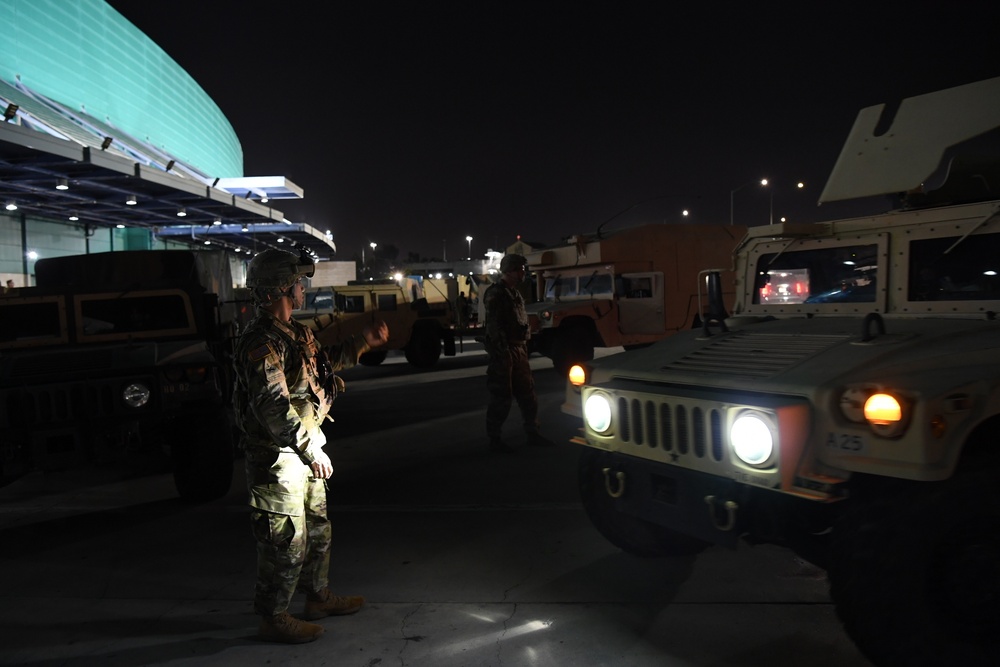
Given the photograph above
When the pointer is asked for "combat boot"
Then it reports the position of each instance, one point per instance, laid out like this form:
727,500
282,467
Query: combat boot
324,603
287,629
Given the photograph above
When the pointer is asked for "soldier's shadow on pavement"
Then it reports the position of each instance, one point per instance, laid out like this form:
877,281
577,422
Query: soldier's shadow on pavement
55,532
150,654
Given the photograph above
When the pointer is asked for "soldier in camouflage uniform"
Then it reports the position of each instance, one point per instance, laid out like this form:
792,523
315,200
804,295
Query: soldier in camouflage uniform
285,385
508,375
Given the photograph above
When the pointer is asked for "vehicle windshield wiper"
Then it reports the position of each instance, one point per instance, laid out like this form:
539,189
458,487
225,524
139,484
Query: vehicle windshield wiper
779,253
966,235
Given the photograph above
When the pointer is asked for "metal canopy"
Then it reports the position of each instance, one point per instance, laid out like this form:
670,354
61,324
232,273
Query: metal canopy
101,175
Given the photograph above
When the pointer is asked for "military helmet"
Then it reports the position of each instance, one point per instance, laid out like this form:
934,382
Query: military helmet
513,262
278,269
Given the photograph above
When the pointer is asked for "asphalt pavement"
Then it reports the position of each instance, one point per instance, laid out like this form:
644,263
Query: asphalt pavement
466,557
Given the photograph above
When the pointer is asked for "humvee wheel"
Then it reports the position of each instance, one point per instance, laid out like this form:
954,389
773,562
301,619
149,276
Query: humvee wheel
373,357
424,348
203,454
916,577
632,535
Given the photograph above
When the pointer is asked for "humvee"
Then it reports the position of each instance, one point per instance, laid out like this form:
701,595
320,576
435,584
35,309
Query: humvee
849,405
628,287
422,330
123,360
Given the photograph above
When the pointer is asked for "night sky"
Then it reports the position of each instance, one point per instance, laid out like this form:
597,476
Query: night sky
417,124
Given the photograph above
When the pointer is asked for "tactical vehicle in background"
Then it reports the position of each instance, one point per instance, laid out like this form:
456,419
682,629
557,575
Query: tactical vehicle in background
854,420
421,329
629,287
119,359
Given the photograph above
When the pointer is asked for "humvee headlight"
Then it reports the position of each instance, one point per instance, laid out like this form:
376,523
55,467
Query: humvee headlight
577,375
136,395
597,412
752,438
545,315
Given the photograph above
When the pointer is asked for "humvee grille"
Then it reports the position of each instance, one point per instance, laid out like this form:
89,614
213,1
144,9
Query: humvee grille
53,405
671,427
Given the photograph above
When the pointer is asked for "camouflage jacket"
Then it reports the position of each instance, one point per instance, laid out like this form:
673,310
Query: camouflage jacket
506,319
279,396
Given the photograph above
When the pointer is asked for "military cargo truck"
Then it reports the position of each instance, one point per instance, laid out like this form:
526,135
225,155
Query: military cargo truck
422,330
122,358
848,405
628,287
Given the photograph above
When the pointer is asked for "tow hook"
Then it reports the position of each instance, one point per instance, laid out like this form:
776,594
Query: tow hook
620,476
726,521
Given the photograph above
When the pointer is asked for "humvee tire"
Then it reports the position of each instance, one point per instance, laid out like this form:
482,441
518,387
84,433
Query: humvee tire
424,348
913,574
373,357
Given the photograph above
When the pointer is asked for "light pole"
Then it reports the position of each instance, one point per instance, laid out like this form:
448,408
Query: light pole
372,246
732,194
469,239
770,192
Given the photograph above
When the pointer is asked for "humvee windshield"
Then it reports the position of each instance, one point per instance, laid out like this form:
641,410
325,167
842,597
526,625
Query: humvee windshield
23,320
94,318
164,313
951,269
588,286
821,275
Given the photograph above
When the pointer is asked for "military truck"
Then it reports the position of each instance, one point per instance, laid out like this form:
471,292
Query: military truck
852,417
422,330
628,287
122,360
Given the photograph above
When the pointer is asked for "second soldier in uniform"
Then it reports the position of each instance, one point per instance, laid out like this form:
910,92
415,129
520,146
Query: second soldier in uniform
508,375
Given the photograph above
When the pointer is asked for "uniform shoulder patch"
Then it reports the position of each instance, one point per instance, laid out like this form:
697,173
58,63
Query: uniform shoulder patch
259,353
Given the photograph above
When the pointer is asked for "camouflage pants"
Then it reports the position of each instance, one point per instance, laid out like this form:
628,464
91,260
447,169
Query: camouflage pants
289,521
508,378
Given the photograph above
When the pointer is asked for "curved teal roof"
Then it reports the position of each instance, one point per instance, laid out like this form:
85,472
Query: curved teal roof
87,56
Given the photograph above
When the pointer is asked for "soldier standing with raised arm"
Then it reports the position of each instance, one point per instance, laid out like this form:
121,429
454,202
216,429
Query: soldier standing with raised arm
285,386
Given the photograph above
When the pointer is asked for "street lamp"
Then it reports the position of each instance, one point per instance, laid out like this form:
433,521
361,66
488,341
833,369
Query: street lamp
732,194
799,185
469,239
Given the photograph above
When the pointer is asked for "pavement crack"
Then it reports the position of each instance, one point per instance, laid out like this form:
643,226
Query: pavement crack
407,638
